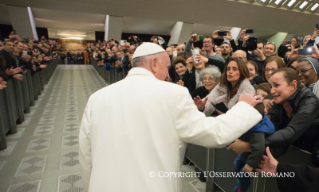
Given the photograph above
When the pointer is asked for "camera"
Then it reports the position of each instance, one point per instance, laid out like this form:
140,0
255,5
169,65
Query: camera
249,31
222,33
251,43
317,26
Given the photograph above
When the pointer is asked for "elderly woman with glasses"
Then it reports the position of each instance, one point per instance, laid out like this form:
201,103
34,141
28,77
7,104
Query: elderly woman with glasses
210,77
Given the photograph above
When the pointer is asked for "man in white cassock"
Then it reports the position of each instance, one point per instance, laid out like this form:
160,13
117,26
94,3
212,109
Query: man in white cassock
136,129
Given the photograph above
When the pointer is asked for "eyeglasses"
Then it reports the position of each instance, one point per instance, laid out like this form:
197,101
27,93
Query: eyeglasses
272,70
239,58
303,70
208,79
207,41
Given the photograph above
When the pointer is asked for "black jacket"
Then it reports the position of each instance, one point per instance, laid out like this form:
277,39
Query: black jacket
306,178
186,80
302,129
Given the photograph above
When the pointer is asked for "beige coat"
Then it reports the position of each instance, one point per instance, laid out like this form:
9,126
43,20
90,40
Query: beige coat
218,95
139,125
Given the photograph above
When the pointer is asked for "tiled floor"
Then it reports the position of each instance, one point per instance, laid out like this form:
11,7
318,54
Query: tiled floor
43,155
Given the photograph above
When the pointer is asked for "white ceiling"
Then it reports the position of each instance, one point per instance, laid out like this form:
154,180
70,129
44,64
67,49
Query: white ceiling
158,17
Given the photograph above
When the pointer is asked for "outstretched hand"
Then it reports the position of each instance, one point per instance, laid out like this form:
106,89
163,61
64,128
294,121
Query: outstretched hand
268,163
200,103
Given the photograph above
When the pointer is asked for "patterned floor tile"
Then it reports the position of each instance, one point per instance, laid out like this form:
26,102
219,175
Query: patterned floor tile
32,186
69,159
31,165
71,127
70,183
43,130
9,149
70,141
36,145
47,119
71,117
16,135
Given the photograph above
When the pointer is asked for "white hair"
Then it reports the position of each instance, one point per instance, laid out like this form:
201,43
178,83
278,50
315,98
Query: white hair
212,71
241,51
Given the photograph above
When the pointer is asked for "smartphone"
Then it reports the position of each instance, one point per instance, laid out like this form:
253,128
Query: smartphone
317,26
25,53
249,31
222,33
174,53
305,51
220,107
251,44
195,51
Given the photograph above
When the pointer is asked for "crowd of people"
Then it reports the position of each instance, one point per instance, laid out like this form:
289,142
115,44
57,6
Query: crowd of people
216,74
18,56
285,79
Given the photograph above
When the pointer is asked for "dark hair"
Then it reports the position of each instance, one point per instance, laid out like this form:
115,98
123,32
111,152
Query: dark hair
279,62
260,107
7,41
260,42
297,58
244,74
269,96
225,43
179,60
254,64
209,37
289,75
184,54
264,86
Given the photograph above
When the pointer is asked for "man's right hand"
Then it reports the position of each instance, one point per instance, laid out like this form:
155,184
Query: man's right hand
242,34
249,99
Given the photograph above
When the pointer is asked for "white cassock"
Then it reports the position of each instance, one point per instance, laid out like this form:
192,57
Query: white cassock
142,124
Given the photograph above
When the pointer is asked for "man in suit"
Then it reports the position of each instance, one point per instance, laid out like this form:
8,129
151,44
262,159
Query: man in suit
305,178
150,129
68,56
11,67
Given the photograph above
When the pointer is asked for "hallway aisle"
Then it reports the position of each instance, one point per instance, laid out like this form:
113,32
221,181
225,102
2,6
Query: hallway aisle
43,155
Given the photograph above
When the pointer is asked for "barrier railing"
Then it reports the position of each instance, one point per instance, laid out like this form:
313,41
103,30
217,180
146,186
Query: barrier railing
109,76
18,96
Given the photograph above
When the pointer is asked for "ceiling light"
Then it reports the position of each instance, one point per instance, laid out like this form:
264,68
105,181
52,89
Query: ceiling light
263,1
75,35
314,7
291,3
303,4
77,38
277,2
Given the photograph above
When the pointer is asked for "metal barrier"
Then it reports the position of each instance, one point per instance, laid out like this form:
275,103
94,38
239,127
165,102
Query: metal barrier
222,160
109,76
18,96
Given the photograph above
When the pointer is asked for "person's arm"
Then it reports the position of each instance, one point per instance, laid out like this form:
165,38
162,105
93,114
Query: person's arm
85,146
233,45
304,117
217,63
194,127
257,148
